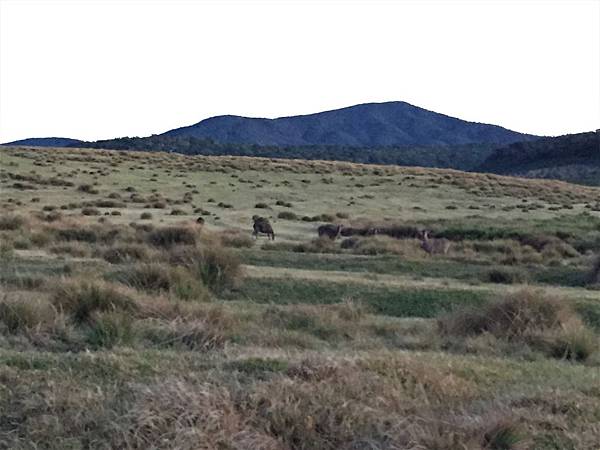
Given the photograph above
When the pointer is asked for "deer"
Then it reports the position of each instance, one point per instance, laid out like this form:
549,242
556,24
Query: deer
434,245
262,225
331,231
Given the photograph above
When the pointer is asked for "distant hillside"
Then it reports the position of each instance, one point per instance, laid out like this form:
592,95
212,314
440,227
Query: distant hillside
463,157
46,142
367,125
573,157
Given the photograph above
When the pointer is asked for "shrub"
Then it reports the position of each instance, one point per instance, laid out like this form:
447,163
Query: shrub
87,188
504,435
287,215
146,216
80,299
109,203
505,275
124,253
196,334
236,239
169,236
75,249
178,212
109,329
11,222
261,206
513,316
218,267
89,211
576,344
156,277
19,314
527,317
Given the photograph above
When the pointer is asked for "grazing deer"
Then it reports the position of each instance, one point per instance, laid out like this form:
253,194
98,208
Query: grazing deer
262,225
329,230
435,245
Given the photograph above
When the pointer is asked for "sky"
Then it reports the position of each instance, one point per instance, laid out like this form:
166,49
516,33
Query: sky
102,69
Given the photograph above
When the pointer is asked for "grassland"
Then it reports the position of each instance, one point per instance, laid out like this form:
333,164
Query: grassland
126,324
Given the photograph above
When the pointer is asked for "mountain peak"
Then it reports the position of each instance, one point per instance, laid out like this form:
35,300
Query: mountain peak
364,125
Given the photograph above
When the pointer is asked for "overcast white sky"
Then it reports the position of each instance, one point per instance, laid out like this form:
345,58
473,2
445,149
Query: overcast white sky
101,69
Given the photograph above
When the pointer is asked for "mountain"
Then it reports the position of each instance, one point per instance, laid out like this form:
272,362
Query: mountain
366,125
46,142
573,157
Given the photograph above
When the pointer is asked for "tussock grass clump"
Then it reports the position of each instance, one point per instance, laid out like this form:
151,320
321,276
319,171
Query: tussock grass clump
170,236
504,435
236,239
11,222
287,215
160,277
108,329
23,313
216,266
197,334
118,254
81,299
513,316
87,188
185,414
531,317
380,245
75,249
505,275
90,211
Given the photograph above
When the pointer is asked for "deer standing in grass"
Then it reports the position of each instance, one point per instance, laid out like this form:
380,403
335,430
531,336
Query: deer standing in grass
329,230
434,245
262,225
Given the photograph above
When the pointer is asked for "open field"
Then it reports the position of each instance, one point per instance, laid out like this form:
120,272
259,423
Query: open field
126,324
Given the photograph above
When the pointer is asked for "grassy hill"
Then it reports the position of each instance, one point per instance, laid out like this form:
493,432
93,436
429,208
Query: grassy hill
124,323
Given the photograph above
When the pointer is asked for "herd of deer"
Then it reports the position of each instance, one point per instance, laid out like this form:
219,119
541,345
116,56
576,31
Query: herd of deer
261,225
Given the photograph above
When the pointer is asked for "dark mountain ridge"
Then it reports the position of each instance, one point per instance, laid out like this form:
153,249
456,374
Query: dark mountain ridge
366,125
572,157
46,142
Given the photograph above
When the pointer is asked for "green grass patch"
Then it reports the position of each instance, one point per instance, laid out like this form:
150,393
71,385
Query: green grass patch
380,300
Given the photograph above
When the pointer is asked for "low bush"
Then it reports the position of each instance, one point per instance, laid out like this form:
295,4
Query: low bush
170,236
21,313
80,299
127,252
108,329
216,266
505,275
236,239
287,215
89,211
157,277
11,222
526,317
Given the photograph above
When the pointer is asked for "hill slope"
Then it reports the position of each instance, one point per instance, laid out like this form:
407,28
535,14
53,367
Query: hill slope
46,142
366,125
573,157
